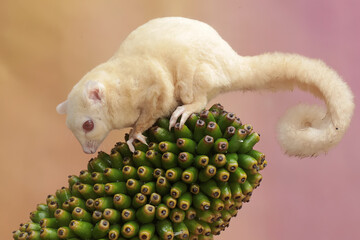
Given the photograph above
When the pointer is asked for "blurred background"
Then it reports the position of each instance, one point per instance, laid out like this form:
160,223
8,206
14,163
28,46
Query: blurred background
47,46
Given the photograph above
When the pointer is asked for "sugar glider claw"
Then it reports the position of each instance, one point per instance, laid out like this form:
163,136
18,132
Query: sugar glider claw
179,110
134,136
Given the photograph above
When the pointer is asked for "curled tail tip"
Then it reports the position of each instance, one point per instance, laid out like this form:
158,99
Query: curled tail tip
307,131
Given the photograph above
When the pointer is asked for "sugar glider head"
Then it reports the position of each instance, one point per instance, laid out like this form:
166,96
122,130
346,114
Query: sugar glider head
86,111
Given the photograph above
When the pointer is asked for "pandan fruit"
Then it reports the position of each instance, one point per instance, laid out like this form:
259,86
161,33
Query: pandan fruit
187,183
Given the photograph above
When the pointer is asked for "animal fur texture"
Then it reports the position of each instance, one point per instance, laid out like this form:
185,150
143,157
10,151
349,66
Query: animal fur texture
176,65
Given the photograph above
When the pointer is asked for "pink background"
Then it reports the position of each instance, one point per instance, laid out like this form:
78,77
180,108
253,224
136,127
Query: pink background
47,46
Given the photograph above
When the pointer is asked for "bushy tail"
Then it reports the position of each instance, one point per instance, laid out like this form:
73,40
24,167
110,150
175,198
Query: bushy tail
304,130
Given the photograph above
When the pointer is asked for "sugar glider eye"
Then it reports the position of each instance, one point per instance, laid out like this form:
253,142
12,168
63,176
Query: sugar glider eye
88,125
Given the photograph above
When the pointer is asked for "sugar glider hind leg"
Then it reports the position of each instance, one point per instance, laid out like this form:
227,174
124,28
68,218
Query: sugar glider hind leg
158,100
193,94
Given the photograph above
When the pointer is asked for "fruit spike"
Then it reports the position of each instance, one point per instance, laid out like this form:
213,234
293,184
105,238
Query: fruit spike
186,184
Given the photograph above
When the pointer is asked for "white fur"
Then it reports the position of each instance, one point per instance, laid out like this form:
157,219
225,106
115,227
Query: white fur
169,62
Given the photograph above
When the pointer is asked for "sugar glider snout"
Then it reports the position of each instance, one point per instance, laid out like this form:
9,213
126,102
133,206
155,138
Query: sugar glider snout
90,147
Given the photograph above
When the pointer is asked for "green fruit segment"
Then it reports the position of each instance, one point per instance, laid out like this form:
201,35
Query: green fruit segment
81,229
139,200
133,186
115,187
49,223
190,213
181,231
165,230
213,130
128,214
129,172
236,140
185,160
116,159
247,162
207,116
162,212
155,199
36,216
81,214
167,146
148,188
168,160
177,215
162,134
101,229
259,156
205,145
130,229
139,158
182,132
147,231
229,132
226,120
206,173
154,157
145,173
87,191
206,216
194,226
169,201
211,189
201,201
112,215
199,130
163,122
191,121
185,201
63,217
98,164
249,143
178,189
162,185
190,175
146,213
201,161
96,216
65,233
173,174
221,145
98,177
185,183
114,231
102,203
121,201
32,226
63,194
186,145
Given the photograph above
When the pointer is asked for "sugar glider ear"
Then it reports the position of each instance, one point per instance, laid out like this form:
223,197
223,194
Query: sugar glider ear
94,92
61,108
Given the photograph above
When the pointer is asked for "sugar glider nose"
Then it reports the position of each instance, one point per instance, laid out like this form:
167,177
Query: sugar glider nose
90,148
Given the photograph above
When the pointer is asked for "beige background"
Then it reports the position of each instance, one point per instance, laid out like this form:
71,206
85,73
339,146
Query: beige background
47,46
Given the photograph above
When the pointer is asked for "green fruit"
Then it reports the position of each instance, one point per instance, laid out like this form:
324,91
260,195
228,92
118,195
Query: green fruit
187,183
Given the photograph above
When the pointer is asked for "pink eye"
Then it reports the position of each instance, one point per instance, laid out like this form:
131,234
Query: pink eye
88,125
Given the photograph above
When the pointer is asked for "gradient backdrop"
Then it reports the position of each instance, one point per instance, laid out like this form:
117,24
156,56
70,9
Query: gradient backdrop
47,46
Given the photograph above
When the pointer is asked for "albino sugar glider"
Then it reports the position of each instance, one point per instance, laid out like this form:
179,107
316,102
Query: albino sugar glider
176,65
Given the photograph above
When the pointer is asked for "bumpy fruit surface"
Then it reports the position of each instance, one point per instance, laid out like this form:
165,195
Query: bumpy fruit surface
187,183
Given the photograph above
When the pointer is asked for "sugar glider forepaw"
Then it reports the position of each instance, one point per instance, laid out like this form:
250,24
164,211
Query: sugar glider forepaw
181,110
134,136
